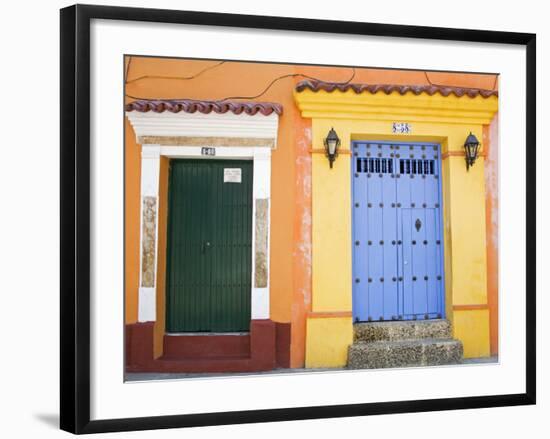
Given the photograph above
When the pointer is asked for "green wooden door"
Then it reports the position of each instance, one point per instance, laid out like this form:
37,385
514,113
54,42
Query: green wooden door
209,249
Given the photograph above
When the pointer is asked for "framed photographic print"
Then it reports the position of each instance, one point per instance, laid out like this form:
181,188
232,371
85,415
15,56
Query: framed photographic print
268,218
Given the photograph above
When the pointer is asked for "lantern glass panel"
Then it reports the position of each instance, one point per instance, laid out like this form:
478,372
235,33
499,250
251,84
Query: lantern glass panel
472,150
332,146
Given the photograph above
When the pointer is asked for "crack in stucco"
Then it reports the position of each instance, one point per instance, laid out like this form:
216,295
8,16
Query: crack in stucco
303,249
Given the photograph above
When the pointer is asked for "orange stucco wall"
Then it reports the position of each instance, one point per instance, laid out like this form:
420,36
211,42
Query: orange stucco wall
290,271
132,172
160,323
230,79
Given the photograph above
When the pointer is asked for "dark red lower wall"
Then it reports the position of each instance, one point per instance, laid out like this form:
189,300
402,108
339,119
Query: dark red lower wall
266,347
139,344
206,346
283,345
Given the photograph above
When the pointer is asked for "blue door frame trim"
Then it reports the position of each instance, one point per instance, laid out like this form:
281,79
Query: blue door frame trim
370,295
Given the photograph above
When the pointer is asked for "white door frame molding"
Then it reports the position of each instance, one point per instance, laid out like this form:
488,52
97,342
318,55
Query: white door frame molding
240,131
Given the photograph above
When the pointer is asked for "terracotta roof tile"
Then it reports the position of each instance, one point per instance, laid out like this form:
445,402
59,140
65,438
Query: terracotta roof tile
205,107
389,88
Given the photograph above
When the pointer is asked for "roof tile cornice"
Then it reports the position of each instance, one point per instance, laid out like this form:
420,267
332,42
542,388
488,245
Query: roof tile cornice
205,107
390,102
390,88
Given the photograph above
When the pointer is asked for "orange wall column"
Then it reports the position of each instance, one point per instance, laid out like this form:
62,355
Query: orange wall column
490,140
132,175
301,297
160,322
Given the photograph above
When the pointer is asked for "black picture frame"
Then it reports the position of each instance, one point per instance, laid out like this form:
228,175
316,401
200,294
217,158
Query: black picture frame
75,217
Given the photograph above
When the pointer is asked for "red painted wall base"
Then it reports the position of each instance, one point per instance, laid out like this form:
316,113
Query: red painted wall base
266,347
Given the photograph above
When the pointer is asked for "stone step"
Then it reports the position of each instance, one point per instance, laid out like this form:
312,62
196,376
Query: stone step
404,353
401,330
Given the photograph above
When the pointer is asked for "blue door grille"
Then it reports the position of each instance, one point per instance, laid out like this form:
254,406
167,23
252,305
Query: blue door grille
397,243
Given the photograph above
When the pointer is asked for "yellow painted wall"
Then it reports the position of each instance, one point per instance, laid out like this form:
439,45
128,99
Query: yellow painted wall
445,120
447,241
472,328
327,341
465,209
331,237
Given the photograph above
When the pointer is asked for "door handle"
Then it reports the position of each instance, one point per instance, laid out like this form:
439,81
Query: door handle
205,245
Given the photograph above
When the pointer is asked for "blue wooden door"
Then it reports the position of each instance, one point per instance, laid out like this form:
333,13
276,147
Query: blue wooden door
397,243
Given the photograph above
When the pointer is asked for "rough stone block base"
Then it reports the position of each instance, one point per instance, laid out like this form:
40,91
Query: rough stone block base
404,353
403,344
402,330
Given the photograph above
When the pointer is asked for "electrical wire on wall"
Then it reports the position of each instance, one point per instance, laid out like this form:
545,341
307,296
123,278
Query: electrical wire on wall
182,78
493,88
186,78
256,96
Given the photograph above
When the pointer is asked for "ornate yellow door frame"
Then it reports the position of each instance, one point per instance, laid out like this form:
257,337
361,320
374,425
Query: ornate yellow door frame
371,116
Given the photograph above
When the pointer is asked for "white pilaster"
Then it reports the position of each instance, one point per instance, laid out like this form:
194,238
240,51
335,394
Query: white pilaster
261,190
147,304
150,170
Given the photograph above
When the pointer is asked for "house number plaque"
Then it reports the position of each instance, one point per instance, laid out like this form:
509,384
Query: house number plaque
208,151
401,128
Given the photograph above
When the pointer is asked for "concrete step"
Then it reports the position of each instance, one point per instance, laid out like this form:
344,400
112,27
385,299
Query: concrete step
404,353
401,330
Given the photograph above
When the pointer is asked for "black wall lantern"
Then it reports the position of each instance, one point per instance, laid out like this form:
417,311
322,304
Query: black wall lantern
471,147
332,143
